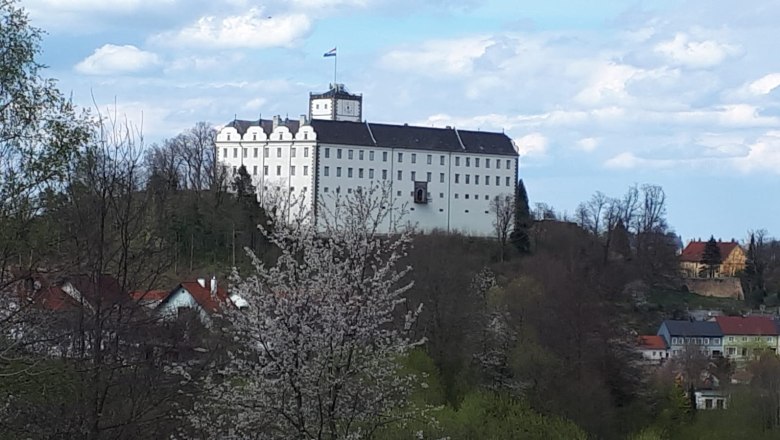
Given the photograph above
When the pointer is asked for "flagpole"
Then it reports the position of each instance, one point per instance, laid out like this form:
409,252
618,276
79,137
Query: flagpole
335,67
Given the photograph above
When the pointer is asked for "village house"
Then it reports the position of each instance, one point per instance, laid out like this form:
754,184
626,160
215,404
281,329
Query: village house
745,337
196,297
733,259
653,349
705,336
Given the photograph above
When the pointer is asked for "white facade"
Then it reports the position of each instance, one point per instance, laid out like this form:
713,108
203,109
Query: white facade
463,170
181,299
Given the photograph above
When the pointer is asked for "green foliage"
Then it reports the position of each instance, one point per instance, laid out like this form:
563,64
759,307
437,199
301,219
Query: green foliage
711,257
520,235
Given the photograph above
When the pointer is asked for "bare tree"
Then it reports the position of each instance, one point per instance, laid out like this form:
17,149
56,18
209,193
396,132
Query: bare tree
503,209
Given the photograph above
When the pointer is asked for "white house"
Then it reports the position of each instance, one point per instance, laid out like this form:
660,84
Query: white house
445,177
195,296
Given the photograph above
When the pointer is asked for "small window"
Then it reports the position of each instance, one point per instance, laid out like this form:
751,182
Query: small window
508,181
441,177
338,171
228,136
325,189
350,154
305,151
305,135
400,157
398,193
384,156
508,164
400,174
360,155
224,153
327,153
338,153
487,197
305,170
498,180
467,179
441,160
349,172
235,152
456,195
384,174
430,159
265,152
370,155
360,173
278,152
243,152
457,161
476,162
292,151
265,170
292,170
487,162
476,179
441,195
466,196
254,170
414,158
457,178
326,171
278,170
255,152
428,176
468,161
370,173
414,176
349,190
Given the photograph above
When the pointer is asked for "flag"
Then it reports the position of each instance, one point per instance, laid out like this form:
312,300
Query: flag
330,53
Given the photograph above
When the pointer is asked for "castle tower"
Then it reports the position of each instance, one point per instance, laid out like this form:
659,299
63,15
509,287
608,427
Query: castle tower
337,104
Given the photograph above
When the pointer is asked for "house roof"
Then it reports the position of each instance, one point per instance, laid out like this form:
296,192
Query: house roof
694,252
747,325
395,136
202,295
652,342
149,295
57,296
692,328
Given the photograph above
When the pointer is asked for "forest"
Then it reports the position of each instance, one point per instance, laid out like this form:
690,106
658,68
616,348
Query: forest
346,333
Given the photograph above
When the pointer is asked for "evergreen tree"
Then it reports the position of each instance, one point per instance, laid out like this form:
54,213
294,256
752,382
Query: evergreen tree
753,275
242,185
520,236
711,257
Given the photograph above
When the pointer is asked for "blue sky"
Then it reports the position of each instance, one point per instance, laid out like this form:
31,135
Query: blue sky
597,95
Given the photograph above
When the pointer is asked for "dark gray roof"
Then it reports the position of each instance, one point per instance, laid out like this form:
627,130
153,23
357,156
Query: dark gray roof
693,328
412,137
339,91
395,136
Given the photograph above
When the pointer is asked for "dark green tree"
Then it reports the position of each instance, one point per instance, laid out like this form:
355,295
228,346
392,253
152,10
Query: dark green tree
520,236
711,257
242,185
753,276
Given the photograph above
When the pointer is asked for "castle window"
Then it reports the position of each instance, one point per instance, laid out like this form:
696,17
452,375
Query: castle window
338,153
235,152
278,170
486,197
508,164
327,153
224,153
441,195
468,161
265,152
414,158
370,155
487,162
349,172
305,170
400,174
317,106
384,174
228,136
349,190
326,171
305,151
430,159
476,196
441,177
338,171
456,195
476,162
428,176
414,176
350,154
508,181
476,179
457,161
265,170
292,151
441,160
278,152
325,189
255,153
360,173
487,180
400,157
466,196
384,156
338,190
398,193
243,152
370,173
254,170
360,155
254,136
304,189
498,180
305,135
467,179
457,178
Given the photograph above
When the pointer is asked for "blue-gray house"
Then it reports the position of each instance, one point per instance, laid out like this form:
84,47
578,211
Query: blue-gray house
706,335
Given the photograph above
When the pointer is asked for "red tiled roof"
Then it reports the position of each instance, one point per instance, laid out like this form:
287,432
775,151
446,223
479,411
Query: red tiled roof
149,295
203,295
748,325
652,342
695,250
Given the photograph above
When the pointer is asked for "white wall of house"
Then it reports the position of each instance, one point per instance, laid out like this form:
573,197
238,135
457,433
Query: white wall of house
181,298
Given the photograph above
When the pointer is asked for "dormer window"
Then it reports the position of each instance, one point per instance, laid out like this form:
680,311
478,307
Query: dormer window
228,136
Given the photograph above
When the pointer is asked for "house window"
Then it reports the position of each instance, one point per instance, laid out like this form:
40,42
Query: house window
384,174
430,159
731,338
476,162
338,171
476,179
278,170
744,352
326,171
360,173
508,181
327,153
370,173
292,170
235,152
414,158
487,162
467,179
414,176
457,161
384,156
731,351
360,155
349,172
744,339
428,176
441,160
265,170
371,155
719,403
441,177
265,152
716,341
338,153
457,178
305,170
305,151
498,180
708,403
350,154
255,152
706,341
292,151
508,164
400,157
400,174
254,170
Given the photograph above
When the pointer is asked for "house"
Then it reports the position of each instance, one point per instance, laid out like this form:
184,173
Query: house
708,399
72,292
653,349
732,255
195,297
745,336
681,335
446,176
149,298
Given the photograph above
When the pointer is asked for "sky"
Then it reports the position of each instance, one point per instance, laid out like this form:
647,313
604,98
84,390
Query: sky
597,95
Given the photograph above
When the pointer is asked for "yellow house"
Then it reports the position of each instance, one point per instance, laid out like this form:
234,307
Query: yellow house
732,255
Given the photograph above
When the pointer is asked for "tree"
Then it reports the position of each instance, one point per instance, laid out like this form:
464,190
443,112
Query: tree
520,236
503,209
321,335
753,276
711,257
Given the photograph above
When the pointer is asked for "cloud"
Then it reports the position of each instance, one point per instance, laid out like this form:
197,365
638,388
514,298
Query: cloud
437,57
765,84
534,144
695,54
111,59
588,144
252,29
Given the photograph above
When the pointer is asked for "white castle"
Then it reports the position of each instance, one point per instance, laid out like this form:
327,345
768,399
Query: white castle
445,177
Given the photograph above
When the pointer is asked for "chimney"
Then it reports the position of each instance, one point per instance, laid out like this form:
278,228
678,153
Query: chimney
276,121
213,285
302,121
202,282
